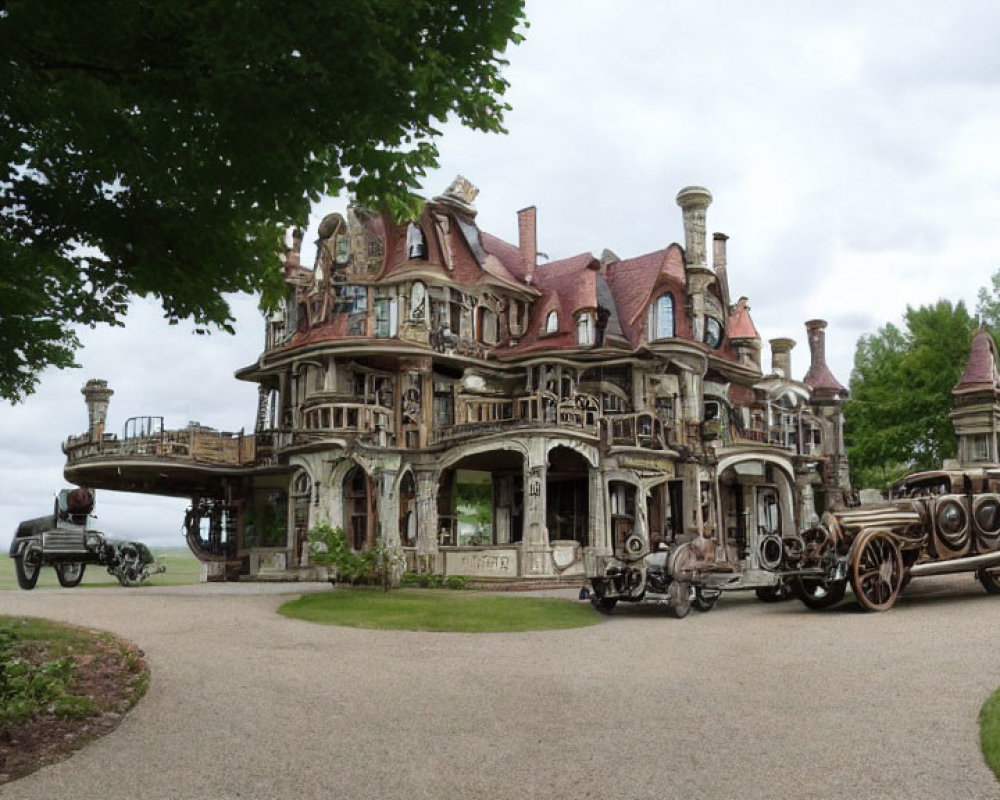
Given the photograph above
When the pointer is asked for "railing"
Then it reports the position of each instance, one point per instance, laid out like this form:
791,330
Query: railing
486,415
194,445
643,430
347,418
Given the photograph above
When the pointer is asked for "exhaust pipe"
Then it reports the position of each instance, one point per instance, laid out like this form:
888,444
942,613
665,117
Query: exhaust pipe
967,564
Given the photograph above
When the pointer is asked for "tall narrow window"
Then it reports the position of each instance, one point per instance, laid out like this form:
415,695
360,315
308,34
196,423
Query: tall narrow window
664,320
416,244
552,322
585,331
385,317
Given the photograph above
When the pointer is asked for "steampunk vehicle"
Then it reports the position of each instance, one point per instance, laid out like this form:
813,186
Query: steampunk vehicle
63,540
679,575
934,523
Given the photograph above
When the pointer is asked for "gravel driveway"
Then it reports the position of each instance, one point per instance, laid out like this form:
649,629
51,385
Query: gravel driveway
748,701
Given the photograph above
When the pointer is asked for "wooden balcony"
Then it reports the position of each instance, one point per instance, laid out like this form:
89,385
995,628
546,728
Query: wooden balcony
643,430
349,419
479,416
193,445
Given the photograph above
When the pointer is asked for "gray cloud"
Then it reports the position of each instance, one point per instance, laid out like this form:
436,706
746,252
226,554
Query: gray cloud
850,148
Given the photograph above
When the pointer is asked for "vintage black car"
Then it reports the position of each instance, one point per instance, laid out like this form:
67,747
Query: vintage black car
63,540
934,523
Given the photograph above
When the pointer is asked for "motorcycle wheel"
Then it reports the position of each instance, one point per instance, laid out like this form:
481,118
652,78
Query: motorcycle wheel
70,575
817,594
705,599
773,594
27,574
605,604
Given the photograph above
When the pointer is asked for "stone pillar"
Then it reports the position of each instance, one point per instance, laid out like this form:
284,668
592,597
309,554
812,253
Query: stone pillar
694,200
427,516
535,550
599,532
96,395
781,356
388,523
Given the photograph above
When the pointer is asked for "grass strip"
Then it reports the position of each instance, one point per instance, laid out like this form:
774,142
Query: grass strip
439,611
989,732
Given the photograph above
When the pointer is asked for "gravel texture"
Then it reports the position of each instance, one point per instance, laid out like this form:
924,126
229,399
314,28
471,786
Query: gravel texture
751,700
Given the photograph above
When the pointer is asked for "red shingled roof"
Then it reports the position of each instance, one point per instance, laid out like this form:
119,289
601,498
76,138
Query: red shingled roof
740,326
632,282
981,368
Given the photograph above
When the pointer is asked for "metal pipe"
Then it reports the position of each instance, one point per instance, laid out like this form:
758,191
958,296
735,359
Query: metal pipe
956,565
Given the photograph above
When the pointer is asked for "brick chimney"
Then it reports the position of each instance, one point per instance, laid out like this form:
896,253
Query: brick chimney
781,356
694,200
819,376
527,240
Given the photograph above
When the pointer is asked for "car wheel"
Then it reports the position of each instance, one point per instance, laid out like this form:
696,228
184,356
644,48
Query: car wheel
27,574
773,594
817,594
70,575
705,599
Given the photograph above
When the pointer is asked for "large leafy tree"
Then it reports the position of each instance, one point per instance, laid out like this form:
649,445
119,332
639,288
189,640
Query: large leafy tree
897,418
160,148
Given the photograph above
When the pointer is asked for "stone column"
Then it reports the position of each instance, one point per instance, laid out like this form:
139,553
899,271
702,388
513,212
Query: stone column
599,532
427,517
535,549
781,356
97,396
388,523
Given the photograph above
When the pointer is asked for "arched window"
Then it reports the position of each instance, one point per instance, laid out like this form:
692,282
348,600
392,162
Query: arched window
663,319
416,244
713,332
585,331
552,322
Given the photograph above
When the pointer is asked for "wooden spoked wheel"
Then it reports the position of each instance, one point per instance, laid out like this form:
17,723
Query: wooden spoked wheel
876,571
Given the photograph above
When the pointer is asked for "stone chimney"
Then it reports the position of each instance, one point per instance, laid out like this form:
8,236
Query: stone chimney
527,240
719,264
781,356
694,200
96,394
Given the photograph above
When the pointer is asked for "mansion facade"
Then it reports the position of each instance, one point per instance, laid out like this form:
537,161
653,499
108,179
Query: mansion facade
491,413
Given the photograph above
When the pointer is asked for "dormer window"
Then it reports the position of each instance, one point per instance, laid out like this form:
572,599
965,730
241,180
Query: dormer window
552,322
663,317
585,331
416,244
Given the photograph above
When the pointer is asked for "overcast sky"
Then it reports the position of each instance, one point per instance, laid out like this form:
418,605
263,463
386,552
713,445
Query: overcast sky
850,148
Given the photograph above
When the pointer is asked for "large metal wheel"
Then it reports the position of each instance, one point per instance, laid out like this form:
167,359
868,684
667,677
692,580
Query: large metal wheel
705,599
70,575
680,599
990,579
817,593
876,571
27,573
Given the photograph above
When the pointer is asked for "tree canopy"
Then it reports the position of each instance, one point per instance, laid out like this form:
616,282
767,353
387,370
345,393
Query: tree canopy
897,418
162,148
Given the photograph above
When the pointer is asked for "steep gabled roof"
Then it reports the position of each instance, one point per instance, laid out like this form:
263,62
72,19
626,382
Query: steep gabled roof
633,280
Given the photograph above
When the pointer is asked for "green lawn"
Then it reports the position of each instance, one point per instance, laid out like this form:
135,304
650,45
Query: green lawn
430,610
989,732
182,568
